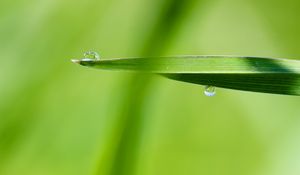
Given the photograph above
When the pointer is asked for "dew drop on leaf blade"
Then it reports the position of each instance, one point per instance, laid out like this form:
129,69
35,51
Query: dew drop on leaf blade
92,55
209,91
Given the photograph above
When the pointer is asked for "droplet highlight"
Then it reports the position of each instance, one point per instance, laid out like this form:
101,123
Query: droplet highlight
209,90
91,55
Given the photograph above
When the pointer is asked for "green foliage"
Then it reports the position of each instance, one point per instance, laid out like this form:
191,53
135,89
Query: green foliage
61,119
279,76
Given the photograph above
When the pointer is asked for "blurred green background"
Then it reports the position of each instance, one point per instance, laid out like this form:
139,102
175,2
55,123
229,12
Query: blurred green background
57,118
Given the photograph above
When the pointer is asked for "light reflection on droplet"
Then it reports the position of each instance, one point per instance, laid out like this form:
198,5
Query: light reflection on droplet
209,91
91,55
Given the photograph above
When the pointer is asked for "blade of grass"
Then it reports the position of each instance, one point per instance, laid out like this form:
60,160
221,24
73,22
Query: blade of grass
269,75
129,129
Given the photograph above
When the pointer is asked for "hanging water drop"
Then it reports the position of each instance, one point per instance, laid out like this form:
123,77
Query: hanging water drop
91,55
209,91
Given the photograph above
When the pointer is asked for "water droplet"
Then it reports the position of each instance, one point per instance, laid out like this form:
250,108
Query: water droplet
91,55
209,91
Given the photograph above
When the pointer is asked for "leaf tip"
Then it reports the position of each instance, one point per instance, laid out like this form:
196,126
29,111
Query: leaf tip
75,61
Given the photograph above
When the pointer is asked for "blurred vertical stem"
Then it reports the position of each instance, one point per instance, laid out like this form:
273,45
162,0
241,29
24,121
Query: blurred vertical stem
125,155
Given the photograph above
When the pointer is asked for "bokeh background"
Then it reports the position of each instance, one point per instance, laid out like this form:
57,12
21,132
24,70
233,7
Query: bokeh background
58,118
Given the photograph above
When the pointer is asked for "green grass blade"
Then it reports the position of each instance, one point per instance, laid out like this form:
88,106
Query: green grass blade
269,75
